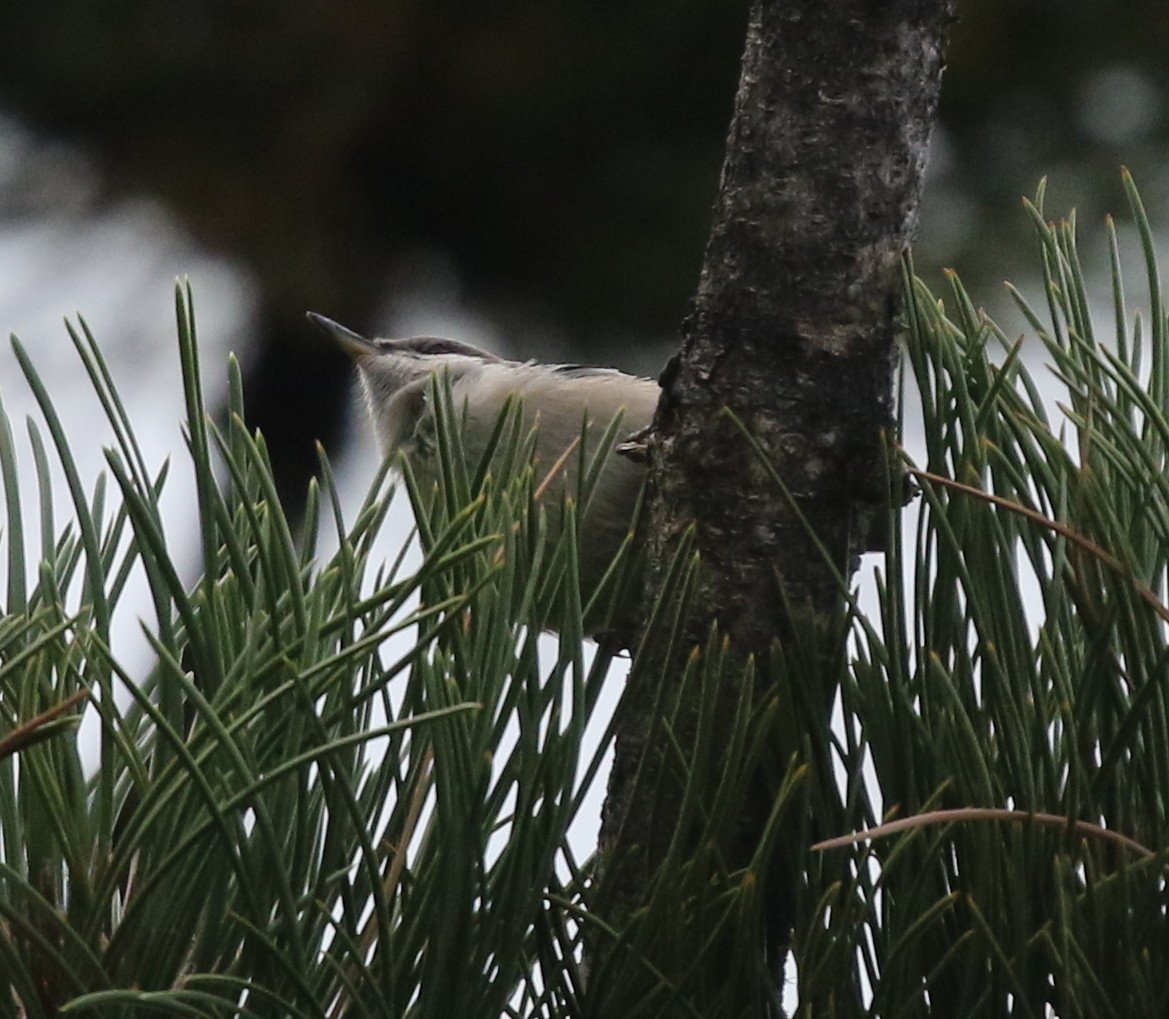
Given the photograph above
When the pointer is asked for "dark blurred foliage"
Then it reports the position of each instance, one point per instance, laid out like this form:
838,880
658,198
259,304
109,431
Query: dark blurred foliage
1070,89
563,154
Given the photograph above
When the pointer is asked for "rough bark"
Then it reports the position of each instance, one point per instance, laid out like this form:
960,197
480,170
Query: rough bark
793,329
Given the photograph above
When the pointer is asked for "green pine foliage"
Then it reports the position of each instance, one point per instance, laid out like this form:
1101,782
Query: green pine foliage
288,818
345,788
1019,661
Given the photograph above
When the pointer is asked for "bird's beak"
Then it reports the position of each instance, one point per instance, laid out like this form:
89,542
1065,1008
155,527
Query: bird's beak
352,343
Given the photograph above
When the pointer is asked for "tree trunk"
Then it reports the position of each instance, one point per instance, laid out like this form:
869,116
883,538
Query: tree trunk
793,331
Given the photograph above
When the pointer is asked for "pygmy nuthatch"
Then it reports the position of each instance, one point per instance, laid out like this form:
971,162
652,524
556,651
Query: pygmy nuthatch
557,401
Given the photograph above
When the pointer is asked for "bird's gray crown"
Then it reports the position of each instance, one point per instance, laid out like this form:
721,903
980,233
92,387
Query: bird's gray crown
434,346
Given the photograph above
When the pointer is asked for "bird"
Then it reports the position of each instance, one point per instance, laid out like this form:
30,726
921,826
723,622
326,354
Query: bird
562,403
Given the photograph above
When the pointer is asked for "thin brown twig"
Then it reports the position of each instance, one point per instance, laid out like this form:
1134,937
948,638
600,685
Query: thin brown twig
397,865
557,467
26,733
932,817
1107,558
